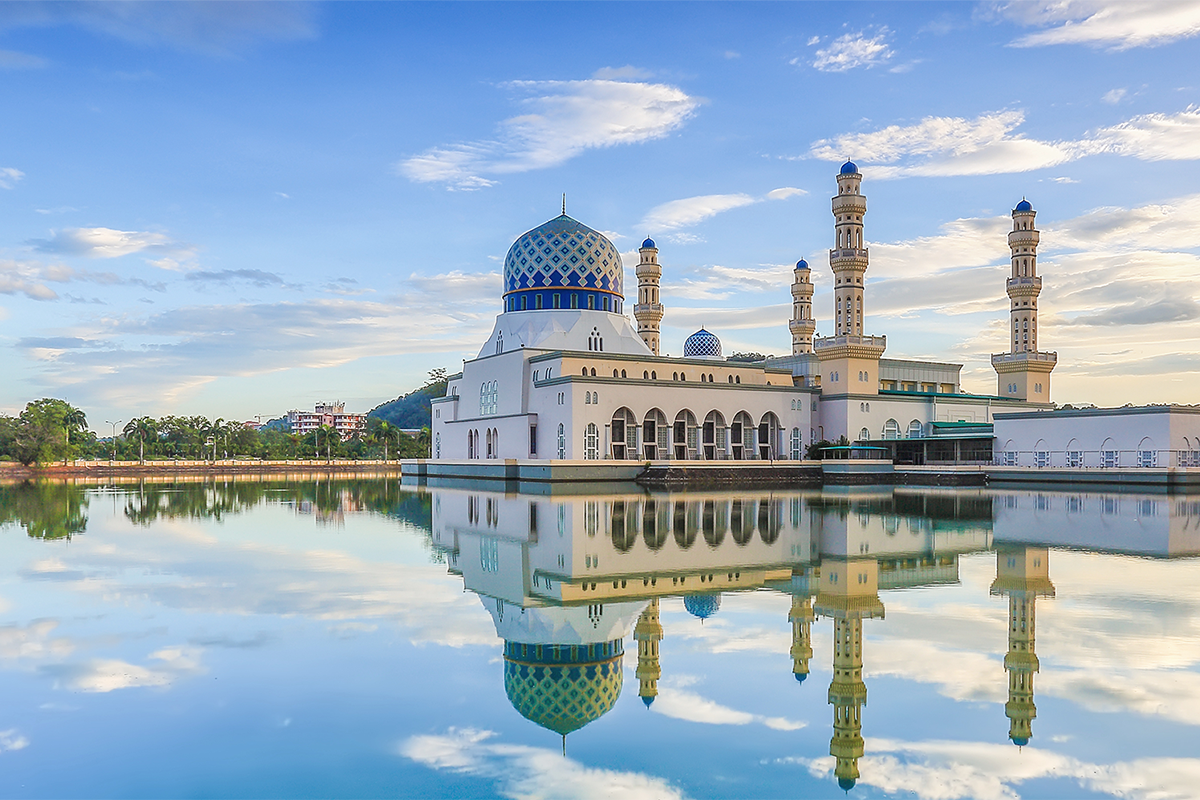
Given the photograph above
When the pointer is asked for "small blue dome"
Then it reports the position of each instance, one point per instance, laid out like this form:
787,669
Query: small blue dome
846,784
647,701
1024,205
802,264
800,676
702,344
1020,741
702,605
849,168
649,243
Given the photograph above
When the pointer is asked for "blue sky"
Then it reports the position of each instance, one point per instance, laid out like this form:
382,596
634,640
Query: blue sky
236,209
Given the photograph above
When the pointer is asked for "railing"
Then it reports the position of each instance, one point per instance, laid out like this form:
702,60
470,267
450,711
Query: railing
1096,459
1030,355
1023,282
848,252
837,341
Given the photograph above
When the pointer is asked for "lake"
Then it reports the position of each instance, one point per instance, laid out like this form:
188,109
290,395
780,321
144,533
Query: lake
361,638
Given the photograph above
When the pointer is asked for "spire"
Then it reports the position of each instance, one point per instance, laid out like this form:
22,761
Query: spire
564,214
648,311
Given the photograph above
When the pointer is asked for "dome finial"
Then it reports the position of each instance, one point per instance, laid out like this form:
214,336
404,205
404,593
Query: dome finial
564,204
564,735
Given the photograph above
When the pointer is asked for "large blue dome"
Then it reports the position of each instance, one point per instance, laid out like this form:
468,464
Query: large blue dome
849,168
1024,205
702,344
563,264
702,605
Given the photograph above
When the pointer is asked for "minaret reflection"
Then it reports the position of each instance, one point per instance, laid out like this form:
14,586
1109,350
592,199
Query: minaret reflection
648,633
1023,575
801,616
849,593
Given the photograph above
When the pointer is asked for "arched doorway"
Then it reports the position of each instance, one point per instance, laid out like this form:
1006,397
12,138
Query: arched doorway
624,432
654,435
741,436
685,435
714,436
768,437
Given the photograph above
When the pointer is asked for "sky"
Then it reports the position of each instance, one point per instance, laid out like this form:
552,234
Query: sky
236,209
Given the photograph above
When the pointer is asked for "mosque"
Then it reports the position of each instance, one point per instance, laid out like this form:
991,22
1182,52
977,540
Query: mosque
565,374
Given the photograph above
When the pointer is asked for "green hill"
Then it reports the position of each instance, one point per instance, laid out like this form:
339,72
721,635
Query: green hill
412,410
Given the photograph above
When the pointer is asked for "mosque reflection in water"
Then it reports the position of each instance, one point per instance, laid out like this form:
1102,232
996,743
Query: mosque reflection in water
567,579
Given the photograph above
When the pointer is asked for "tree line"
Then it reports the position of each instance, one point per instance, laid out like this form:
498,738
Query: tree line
52,430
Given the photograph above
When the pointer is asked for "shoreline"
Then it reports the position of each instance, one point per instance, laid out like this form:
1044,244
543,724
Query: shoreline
190,468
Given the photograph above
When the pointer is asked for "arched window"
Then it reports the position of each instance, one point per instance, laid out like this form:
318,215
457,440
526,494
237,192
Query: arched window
864,435
914,429
891,429
615,374
562,441
591,442
593,372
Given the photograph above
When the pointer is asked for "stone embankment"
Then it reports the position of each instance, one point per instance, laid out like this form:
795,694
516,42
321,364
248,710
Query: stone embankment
181,467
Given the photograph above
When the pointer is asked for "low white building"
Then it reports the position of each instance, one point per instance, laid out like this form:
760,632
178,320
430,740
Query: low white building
1143,436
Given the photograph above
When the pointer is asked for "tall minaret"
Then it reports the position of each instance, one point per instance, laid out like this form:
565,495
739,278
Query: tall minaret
648,632
1025,285
648,311
801,616
1024,372
849,359
802,325
1023,574
849,593
849,258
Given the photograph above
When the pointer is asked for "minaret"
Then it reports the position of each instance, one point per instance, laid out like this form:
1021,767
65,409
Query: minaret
849,258
801,616
849,593
648,632
802,325
648,312
1024,372
849,359
1023,574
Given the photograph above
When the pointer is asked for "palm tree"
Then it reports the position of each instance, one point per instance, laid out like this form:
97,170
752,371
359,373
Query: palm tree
142,428
328,435
383,432
73,420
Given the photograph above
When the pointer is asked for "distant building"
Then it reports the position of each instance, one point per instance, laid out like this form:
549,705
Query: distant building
332,414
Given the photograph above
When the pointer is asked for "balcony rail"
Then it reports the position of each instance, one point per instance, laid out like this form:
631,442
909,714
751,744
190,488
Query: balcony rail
1096,459
1023,282
1025,356
848,252
837,341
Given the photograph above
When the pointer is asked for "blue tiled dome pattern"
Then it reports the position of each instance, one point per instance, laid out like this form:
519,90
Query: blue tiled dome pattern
702,605
563,687
702,344
802,264
1024,205
849,168
563,253
648,243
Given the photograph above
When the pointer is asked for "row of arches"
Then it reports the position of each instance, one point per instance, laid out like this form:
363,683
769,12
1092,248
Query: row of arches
1107,453
655,522
891,430
683,437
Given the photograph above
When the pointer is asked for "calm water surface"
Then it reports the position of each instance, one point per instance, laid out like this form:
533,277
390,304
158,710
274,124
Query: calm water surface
364,639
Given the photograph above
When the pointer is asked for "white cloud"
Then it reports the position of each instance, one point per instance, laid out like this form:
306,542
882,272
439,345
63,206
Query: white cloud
784,192
108,675
625,73
692,707
221,29
1105,23
109,243
12,740
853,50
9,177
989,144
688,211
530,773
563,119
955,770
1113,96
685,238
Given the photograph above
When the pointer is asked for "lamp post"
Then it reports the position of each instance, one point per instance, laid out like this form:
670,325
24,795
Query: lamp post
113,440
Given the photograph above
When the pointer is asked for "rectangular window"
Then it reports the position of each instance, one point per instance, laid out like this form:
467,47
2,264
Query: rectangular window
591,302
574,300
557,300
539,302
524,303
533,440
